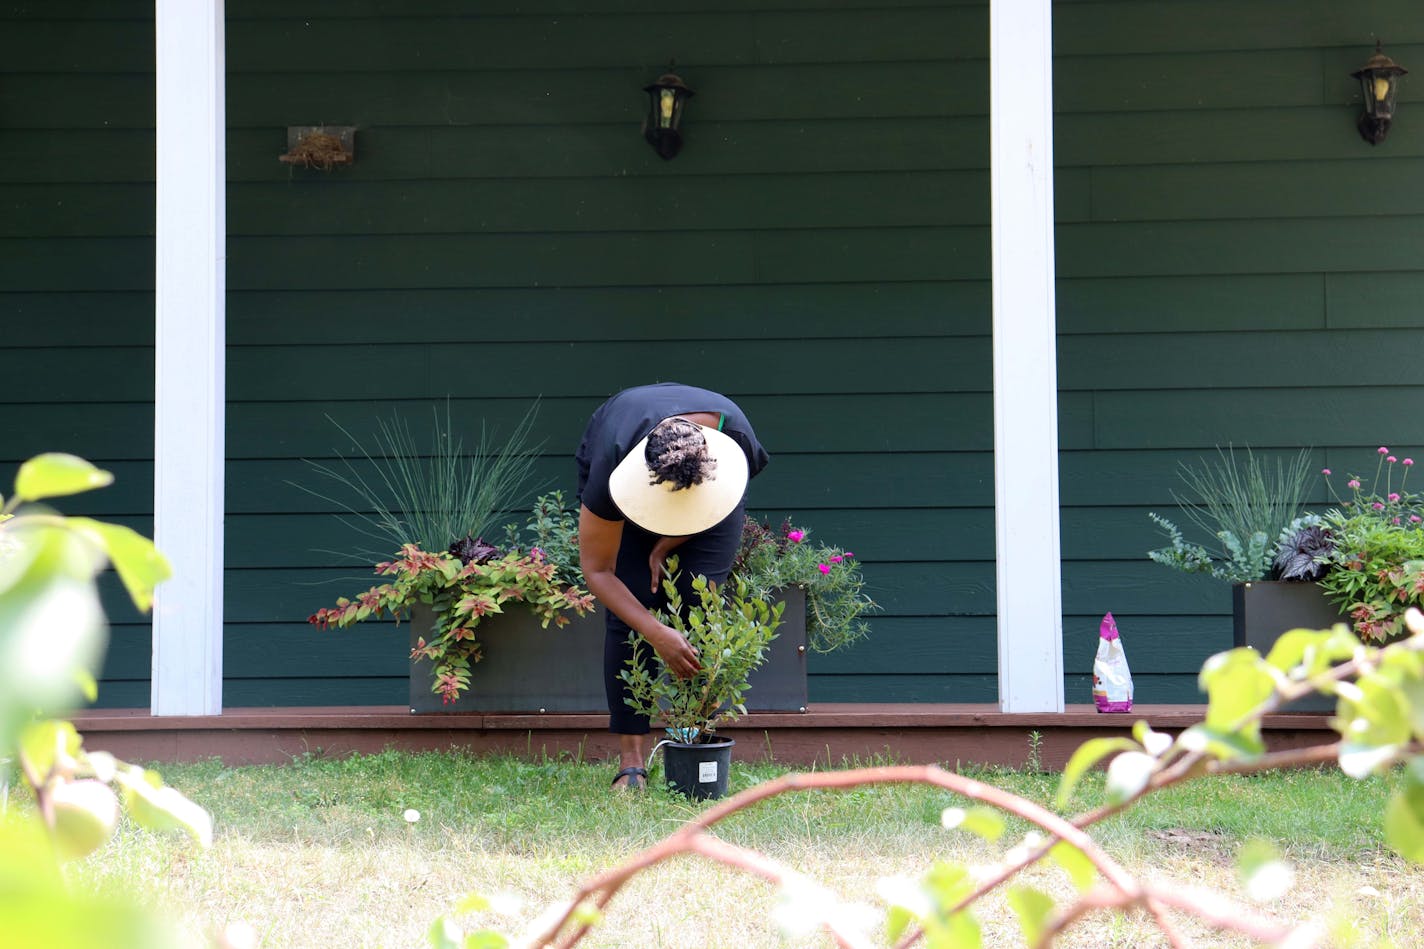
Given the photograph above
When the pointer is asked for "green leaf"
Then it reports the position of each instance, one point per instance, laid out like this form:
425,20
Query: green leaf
1128,775
444,933
139,564
1313,651
1237,683
1154,743
55,474
1222,744
1080,869
153,805
486,939
982,821
1088,754
1033,908
1359,761
1404,816
51,624
473,903
85,814
49,742
1264,875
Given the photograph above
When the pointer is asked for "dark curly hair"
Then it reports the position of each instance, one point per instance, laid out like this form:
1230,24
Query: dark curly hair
677,452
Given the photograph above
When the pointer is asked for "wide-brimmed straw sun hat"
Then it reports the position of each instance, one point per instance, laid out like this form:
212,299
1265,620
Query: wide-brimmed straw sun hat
660,509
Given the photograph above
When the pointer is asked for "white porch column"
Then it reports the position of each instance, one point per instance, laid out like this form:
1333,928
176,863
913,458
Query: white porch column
1025,373
190,252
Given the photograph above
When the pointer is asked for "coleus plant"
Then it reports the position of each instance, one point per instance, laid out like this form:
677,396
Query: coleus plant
462,586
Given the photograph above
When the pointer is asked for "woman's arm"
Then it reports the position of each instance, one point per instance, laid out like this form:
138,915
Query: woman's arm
599,540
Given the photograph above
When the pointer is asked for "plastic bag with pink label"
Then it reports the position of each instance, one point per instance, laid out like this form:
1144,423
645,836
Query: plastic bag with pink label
1112,680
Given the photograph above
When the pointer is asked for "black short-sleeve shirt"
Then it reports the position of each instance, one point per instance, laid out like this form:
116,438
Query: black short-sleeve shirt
626,418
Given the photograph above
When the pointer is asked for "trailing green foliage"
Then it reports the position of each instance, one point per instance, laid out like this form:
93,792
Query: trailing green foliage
770,559
730,630
1376,560
1244,506
398,493
461,595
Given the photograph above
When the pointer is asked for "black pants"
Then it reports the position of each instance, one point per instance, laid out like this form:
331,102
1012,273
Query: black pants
708,554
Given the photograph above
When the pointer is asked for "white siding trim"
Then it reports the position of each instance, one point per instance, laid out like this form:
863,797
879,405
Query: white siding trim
190,258
1028,569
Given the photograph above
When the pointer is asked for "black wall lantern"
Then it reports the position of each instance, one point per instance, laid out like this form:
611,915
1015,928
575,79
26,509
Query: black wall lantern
666,99
1379,82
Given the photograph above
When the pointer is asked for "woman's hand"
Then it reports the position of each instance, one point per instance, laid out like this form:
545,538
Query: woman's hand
657,560
599,540
677,653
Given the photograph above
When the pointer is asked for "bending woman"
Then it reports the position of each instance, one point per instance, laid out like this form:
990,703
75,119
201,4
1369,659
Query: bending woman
661,468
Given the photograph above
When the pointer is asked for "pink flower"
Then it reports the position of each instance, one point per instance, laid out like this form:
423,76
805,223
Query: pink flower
1391,459
1378,506
1414,518
796,536
1353,483
823,567
536,553
849,555
1407,461
1383,450
1394,498
1396,522
837,559
1325,471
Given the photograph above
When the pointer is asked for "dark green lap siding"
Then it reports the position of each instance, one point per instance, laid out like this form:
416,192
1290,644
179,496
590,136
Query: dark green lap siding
1235,266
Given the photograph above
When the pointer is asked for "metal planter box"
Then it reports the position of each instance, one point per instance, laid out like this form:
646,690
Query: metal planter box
527,669
1264,609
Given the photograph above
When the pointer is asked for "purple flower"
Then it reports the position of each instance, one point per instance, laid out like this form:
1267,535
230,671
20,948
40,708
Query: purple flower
823,567
1325,471
1353,483
796,536
1383,450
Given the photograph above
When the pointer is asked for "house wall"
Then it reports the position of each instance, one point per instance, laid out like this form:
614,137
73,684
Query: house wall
1235,265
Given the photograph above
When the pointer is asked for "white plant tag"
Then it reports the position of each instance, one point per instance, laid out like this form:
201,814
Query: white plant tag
706,772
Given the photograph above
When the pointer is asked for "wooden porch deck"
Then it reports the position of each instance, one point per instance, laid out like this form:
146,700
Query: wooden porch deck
825,733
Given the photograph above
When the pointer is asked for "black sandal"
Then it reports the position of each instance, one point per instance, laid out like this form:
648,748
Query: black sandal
637,778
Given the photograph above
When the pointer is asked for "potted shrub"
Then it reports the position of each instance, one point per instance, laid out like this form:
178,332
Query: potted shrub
1254,513
821,586
771,561
1371,548
1361,561
732,630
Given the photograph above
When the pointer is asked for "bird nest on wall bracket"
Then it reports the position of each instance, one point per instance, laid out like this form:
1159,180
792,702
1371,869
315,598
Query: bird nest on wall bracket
318,146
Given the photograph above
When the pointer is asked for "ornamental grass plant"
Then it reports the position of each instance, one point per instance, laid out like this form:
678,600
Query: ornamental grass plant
1243,503
393,491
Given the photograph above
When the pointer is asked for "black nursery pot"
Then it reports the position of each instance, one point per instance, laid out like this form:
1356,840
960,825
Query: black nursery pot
698,770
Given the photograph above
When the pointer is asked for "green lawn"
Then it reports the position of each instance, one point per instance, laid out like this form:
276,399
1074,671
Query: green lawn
317,852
